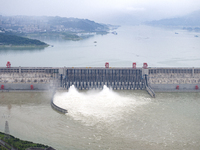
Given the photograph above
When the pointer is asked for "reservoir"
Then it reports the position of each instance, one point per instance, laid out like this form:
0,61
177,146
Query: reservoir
107,119
157,46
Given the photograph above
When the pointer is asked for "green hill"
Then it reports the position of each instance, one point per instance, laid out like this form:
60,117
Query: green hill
14,40
6,143
76,24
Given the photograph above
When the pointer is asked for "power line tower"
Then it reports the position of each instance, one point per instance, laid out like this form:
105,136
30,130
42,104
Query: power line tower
7,132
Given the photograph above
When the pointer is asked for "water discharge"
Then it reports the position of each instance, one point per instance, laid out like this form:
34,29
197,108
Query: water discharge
93,107
128,115
104,119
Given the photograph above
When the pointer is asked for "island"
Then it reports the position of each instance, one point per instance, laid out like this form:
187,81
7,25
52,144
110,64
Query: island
11,40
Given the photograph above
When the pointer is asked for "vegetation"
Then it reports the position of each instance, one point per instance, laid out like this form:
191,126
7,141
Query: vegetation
14,40
52,27
71,36
19,144
2,148
77,24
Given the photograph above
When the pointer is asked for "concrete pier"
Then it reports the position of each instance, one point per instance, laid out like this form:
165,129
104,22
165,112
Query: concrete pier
55,107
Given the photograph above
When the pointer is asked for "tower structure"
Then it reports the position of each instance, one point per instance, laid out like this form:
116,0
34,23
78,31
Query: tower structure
7,132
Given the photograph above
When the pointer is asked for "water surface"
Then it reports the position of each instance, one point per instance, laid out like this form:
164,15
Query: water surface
158,47
104,119
108,119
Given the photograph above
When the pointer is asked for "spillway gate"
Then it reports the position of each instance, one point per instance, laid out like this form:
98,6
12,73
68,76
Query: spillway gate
96,78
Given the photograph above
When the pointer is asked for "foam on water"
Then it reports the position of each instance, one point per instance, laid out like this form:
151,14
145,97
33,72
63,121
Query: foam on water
96,106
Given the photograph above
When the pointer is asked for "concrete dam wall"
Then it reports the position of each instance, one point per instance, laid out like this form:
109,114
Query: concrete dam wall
18,78
84,78
174,79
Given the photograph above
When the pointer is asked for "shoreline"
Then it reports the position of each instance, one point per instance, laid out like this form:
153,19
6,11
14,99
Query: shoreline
8,141
23,46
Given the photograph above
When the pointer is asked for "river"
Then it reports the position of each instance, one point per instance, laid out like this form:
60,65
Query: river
158,47
122,120
106,119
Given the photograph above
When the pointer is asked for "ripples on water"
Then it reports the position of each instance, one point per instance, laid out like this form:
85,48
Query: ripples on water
139,121
105,119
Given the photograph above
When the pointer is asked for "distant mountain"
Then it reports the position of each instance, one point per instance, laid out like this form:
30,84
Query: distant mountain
28,24
67,28
79,24
191,20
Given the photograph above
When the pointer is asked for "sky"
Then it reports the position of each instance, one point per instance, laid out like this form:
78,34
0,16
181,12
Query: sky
104,11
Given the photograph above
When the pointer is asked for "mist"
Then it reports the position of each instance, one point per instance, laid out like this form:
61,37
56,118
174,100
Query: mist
104,11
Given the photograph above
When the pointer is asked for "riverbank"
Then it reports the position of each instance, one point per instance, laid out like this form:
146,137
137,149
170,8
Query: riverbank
68,36
11,142
22,46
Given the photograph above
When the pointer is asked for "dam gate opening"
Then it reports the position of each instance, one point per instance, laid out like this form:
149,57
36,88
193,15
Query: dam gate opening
96,78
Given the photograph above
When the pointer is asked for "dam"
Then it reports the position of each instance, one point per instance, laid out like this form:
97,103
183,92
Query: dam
86,78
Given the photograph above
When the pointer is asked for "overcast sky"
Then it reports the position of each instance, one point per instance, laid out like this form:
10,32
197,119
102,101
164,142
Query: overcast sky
105,11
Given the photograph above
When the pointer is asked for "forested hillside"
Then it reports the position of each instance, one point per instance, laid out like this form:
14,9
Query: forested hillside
6,39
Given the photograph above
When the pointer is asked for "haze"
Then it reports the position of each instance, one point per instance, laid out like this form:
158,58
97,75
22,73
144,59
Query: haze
104,11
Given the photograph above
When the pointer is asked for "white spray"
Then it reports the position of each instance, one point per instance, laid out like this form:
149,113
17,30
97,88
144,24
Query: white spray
95,106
